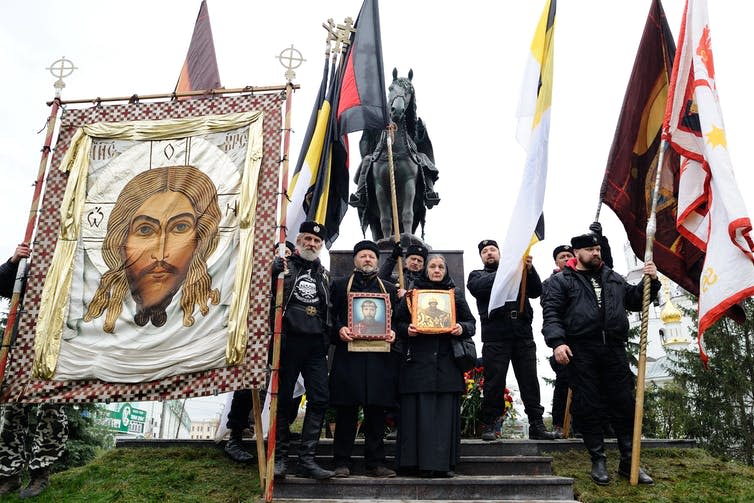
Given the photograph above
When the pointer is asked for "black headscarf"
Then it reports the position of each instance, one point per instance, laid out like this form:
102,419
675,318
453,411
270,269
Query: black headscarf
424,283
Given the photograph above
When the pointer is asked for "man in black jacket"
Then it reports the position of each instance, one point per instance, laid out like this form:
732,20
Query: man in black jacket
361,379
416,255
306,320
586,324
561,255
507,338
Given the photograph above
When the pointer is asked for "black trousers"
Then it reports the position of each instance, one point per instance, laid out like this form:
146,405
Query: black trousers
603,388
374,433
497,356
305,355
241,405
560,392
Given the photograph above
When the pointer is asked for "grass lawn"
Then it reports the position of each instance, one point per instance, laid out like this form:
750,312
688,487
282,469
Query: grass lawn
681,475
186,474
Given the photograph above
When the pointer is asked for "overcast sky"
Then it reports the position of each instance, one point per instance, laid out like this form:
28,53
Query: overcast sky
468,61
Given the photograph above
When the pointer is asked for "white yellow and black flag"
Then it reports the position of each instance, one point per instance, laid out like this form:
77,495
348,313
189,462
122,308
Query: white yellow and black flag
527,224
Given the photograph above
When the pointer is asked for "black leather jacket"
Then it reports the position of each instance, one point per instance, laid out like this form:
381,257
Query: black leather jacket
571,313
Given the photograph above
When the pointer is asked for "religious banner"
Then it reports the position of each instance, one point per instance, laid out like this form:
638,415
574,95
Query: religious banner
150,278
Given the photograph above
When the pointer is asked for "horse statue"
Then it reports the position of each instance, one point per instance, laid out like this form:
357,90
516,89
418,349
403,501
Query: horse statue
414,169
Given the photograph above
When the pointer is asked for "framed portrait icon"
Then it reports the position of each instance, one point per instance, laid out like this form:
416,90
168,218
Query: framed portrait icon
369,315
433,311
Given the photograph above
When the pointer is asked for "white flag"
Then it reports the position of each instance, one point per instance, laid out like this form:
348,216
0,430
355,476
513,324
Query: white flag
533,133
711,211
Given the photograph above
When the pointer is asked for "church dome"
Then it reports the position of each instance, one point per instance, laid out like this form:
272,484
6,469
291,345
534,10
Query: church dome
669,313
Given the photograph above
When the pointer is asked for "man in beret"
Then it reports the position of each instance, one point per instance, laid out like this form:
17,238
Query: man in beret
585,322
361,379
416,255
507,339
306,320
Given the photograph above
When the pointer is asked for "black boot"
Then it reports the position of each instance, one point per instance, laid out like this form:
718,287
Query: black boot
537,431
596,448
281,452
40,479
625,446
488,433
234,448
310,431
9,483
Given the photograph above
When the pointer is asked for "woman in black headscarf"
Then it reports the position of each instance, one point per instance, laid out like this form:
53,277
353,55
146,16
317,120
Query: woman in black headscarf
430,383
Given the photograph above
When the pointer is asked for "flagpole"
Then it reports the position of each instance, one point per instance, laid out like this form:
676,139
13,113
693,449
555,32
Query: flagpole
277,327
31,223
394,199
567,414
642,367
522,295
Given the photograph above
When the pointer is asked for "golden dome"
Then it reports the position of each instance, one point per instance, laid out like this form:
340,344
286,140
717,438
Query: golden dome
669,313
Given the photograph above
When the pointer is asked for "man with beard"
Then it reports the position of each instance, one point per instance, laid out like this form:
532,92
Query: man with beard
361,379
507,338
432,316
586,324
368,325
416,255
306,318
160,234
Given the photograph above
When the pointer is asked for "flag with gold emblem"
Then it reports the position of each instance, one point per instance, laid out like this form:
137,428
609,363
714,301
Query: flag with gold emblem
711,210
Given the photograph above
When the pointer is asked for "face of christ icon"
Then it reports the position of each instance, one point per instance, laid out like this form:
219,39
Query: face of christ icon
162,229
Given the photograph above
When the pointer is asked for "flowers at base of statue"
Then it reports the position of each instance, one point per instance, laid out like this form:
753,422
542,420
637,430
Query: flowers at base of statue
471,402
471,405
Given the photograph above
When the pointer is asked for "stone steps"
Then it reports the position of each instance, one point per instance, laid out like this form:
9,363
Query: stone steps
503,471
460,487
469,465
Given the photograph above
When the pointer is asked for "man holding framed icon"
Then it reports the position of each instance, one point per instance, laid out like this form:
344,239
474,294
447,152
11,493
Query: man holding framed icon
363,374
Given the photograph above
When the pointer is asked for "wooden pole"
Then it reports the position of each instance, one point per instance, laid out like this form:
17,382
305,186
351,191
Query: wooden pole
394,200
259,434
276,333
522,291
199,93
31,224
642,367
567,415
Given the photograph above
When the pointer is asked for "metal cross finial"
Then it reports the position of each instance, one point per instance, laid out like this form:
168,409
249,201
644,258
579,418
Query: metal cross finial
61,68
344,34
290,58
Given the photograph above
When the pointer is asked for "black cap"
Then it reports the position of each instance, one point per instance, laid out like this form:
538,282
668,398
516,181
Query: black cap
560,249
417,250
584,241
487,242
366,245
311,227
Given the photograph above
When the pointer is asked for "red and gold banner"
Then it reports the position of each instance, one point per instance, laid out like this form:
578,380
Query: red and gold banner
150,273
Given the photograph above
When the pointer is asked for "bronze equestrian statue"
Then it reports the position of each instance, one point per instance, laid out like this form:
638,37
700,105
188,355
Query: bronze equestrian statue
414,168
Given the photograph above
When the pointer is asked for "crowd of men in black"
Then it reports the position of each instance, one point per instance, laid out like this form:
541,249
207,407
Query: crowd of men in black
585,323
417,381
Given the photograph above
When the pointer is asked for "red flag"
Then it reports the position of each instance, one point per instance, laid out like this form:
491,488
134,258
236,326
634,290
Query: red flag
632,164
711,211
200,68
363,101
